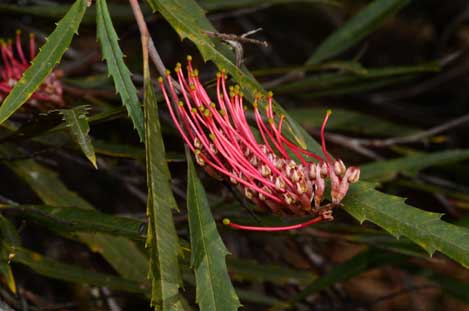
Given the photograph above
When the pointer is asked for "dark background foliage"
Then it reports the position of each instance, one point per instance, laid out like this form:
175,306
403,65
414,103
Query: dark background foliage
341,265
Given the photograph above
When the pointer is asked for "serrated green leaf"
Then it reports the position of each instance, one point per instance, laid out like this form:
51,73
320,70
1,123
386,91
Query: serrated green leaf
358,27
70,273
77,121
49,55
214,290
162,237
387,169
114,57
72,219
50,189
423,228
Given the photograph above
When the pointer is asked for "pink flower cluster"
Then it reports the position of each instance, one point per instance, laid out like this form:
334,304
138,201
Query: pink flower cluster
50,91
263,168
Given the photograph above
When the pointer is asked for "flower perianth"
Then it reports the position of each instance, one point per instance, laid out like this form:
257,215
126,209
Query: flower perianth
272,172
14,66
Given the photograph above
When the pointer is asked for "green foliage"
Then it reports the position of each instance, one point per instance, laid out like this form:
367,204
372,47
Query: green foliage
214,288
410,165
43,64
70,273
162,237
48,186
359,263
350,121
8,235
161,271
424,228
345,83
358,27
77,121
116,67
73,220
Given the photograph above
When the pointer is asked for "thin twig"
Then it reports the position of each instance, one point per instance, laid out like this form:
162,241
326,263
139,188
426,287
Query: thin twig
414,137
153,52
232,37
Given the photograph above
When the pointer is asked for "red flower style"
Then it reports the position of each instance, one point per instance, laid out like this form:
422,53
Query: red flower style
14,67
224,144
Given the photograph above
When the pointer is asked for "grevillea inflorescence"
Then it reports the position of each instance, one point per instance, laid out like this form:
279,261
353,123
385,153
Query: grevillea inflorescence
263,169
15,64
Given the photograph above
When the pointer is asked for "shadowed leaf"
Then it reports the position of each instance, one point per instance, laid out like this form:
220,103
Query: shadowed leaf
358,27
50,189
386,170
70,273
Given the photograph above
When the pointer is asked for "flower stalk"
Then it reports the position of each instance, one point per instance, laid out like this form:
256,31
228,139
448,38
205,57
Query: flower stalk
272,171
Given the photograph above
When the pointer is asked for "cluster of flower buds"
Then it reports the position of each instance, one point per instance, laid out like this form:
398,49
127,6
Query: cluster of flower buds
271,171
15,64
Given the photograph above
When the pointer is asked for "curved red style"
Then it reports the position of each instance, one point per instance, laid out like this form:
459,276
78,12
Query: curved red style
263,168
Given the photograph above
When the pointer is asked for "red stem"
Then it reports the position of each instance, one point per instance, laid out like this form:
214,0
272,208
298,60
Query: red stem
310,222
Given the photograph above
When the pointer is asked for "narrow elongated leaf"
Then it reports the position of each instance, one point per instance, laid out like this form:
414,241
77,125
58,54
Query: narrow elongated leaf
350,121
162,237
49,55
70,273
8,235
358,27
114,57
211,5
72,219
424,228
410,165
48,186
77,122
214,290
331,82
242,270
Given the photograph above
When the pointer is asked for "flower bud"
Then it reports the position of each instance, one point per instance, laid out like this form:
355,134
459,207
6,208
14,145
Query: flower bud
312,171
324,170
265,170
354,175
339,168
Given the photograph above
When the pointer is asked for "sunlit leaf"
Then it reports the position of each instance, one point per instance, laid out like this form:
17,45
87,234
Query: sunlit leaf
423,228
162,237
214,290
77,121
117,68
